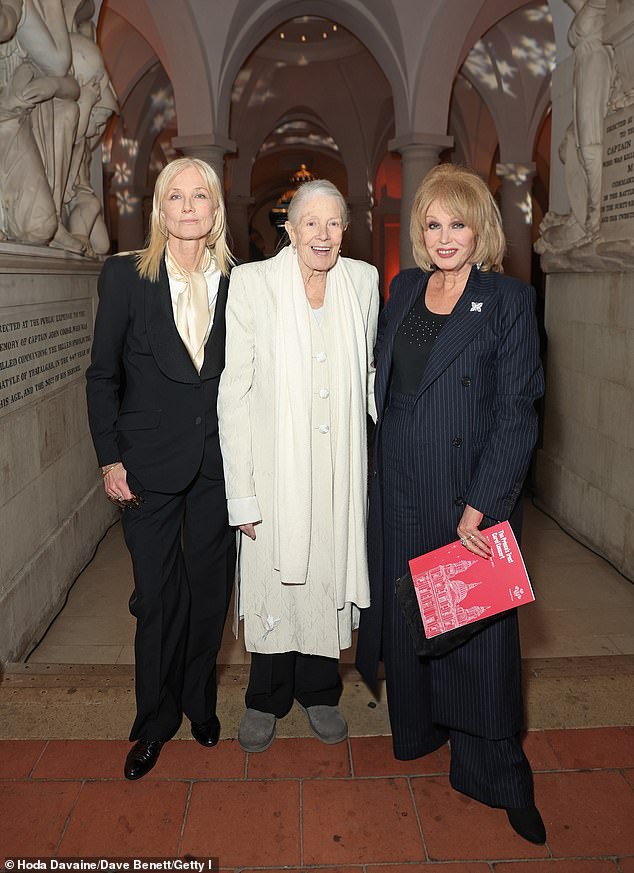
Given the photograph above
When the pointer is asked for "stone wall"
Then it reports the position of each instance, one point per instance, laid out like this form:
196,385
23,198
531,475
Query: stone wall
52,509
585,469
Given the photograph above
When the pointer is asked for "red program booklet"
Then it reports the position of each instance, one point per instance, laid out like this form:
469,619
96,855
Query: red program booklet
455,587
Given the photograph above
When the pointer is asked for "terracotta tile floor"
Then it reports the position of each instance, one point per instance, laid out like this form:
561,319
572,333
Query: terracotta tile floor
302,806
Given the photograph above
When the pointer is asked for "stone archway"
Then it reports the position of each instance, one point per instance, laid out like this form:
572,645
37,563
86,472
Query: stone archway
375,26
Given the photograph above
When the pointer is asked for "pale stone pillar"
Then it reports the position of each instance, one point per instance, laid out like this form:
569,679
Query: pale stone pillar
238,222
419,153
53,509
360,228
211,148
517,216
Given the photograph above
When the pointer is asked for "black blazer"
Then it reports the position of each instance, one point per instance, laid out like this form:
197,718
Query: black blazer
474,419
147,404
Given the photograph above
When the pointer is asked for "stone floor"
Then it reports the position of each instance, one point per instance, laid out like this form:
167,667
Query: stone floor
302,806
583,606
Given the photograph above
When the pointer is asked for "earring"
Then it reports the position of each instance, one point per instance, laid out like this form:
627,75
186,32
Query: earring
478,266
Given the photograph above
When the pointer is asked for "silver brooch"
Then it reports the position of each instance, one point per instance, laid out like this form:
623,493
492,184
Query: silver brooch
476,307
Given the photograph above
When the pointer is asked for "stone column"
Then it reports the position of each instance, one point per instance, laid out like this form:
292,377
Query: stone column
211,148
360,228
585,466
238,222
517,216
419,153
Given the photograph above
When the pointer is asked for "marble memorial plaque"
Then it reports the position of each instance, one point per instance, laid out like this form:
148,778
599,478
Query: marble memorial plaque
42,348
617,186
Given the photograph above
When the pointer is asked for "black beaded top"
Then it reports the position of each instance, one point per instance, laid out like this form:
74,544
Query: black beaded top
412,346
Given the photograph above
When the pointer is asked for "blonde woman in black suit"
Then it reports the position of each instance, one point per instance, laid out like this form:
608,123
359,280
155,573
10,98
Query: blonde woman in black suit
457,374
157,356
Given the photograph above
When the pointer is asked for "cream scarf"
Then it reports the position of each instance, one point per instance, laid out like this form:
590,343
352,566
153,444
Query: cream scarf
292,512
192,306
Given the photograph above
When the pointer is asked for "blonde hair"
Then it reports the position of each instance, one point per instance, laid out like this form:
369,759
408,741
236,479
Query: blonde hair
148,260
462,193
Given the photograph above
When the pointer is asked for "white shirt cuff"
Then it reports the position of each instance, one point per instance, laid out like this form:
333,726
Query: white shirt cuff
243,510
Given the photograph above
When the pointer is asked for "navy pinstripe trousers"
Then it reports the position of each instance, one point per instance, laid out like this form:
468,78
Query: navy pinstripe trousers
472,696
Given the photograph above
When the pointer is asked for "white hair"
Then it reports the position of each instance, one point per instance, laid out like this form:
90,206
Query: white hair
316,188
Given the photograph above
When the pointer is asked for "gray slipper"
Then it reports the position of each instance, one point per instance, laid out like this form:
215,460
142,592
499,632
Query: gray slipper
256,731
327,723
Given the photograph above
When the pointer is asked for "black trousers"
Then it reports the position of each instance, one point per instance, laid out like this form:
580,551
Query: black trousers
276,680
472,696
183,555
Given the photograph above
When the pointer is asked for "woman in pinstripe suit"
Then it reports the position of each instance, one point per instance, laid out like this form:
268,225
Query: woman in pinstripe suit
457,374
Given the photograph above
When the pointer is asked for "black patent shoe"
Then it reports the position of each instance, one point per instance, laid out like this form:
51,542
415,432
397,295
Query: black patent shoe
141,758
207,732
528,823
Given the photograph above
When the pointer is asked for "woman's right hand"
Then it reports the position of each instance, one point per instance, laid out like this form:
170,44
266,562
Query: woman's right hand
248,529
115,483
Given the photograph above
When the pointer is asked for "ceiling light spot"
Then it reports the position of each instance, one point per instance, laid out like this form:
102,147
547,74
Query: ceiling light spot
282,35
303,37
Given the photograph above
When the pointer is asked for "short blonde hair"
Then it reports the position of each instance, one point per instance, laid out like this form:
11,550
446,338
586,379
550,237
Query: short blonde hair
462,193
149,259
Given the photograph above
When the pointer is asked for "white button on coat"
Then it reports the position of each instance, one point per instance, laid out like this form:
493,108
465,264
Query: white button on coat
324,392
321,357
324,428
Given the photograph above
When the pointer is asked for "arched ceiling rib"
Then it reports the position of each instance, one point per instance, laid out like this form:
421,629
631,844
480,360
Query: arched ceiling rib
250,27
444,47
172,31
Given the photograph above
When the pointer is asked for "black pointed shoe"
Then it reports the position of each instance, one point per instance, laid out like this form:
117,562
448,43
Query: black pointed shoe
141,758
528,823
207,732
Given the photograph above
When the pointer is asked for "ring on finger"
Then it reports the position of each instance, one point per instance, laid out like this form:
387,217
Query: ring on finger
463,540
471,537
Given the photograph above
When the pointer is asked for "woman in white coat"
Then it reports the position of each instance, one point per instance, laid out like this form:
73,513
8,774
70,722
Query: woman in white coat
293,403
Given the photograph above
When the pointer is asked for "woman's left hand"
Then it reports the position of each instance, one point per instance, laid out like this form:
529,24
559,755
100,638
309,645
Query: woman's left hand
248,529
470,536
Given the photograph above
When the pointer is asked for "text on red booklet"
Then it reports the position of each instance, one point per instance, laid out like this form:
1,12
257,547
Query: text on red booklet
455,587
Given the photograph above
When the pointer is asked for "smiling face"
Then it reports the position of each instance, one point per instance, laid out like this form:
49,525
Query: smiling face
188,208
449,241
317,234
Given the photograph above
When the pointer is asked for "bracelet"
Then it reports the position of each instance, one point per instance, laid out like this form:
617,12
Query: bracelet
105,470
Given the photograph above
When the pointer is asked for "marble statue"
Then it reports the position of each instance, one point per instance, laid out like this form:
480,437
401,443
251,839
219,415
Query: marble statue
581,150
55,99
97,102
27,210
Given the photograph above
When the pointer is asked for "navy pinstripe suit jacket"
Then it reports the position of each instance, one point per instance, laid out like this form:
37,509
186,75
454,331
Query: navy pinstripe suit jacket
474,418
